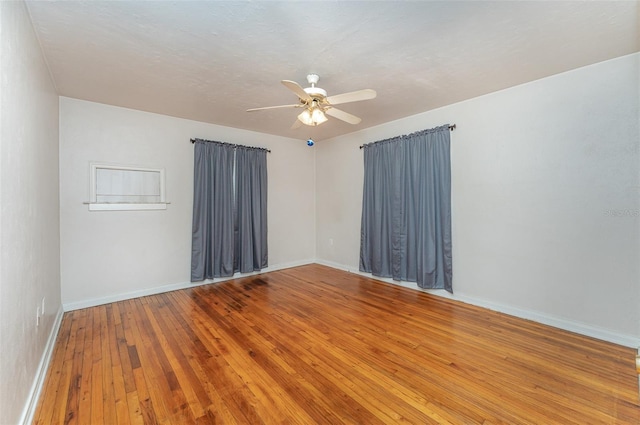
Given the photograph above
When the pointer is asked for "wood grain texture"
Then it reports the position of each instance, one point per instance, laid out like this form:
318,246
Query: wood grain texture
314,345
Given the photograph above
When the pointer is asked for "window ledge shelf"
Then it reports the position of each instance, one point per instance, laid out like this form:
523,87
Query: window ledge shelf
97,206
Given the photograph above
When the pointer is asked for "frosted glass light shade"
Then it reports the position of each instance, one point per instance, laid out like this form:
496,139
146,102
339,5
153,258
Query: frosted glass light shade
312,116
318,117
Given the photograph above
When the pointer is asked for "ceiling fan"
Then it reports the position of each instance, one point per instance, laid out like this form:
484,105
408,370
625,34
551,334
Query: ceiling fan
316,103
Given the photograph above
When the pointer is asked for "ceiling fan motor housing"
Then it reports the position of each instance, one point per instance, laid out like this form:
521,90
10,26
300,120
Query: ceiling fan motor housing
316,93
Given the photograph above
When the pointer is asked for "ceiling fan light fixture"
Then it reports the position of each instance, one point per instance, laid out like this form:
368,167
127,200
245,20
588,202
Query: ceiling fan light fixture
312,116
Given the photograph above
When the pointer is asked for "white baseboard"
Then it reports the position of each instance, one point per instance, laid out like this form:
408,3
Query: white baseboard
556,322
561,323
41,373
77,305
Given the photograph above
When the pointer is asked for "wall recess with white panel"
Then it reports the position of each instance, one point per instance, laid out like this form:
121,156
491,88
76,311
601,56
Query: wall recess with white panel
126,188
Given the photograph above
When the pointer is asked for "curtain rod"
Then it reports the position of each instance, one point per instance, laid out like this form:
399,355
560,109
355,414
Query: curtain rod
232,144
451,128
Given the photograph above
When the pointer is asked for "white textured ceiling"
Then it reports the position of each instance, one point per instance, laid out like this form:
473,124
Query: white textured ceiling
210,61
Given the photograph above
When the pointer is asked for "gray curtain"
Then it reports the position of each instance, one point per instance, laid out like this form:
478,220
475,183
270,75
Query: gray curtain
251,210
229,227
406,209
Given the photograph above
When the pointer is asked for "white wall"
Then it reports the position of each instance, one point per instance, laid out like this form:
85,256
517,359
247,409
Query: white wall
545,198
29,217
118,254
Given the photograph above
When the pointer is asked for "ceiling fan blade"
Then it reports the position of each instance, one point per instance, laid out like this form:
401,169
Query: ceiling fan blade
296,124
342,115
354,96
298,105
297,89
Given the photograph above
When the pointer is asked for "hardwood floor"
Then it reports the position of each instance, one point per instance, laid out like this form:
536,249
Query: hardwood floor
314,345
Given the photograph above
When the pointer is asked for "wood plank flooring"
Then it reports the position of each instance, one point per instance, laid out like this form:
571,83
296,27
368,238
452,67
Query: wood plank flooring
314,345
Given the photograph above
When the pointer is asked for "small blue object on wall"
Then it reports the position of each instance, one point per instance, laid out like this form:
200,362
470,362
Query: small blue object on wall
310,142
